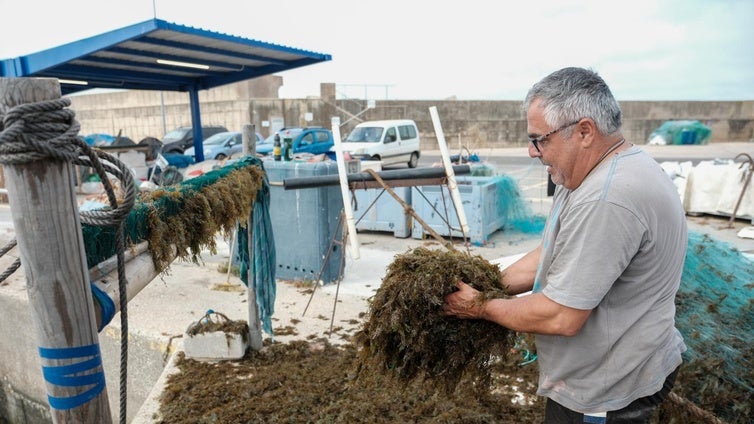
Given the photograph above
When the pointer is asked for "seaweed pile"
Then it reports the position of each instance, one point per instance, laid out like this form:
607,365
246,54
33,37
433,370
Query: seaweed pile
313,382
405,334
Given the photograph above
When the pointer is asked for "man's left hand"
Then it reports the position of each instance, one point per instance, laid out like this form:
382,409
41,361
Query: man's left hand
465,303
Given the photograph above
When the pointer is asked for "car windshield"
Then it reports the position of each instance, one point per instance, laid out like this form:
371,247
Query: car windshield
175,135
268,140
217,139
284,133
365,134
289,133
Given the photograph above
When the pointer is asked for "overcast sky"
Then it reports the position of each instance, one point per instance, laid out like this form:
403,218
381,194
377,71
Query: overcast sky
470,50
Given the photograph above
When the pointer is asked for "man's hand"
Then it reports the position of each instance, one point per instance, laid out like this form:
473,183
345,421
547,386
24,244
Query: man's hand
466,303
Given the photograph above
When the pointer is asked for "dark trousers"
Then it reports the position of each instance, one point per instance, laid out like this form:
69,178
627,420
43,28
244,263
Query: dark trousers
637,412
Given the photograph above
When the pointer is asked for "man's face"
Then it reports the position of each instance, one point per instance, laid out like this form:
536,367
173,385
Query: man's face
550,146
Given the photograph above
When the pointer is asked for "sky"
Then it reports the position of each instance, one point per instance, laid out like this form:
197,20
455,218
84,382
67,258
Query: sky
430,50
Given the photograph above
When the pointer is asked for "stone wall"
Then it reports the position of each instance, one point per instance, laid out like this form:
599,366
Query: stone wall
475,124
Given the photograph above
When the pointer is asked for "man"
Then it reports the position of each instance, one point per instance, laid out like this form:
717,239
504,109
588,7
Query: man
604,278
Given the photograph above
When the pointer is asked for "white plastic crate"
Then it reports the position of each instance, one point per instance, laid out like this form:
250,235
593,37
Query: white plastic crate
480,199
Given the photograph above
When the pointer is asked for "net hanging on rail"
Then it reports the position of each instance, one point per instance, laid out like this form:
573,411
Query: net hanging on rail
188,216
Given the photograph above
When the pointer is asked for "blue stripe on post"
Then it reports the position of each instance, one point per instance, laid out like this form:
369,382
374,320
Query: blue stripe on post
88,372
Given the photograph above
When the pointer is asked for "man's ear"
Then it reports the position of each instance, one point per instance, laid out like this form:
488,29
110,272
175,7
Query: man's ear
586,132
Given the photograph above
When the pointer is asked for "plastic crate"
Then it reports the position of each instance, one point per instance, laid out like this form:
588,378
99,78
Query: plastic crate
386,214
304,222
481,204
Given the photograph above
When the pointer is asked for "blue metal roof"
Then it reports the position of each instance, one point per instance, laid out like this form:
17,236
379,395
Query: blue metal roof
127,58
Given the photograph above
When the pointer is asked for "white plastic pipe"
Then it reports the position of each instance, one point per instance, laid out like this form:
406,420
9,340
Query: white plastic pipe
452,186
350,224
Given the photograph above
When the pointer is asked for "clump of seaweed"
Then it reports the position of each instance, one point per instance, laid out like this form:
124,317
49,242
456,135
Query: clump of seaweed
204,211
218,322
181,220
406,335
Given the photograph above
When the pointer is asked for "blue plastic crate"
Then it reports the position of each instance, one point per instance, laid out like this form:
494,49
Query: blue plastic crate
304,222
377,210
481,204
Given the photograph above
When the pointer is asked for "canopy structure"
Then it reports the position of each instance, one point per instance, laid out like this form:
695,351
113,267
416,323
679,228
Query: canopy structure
158,55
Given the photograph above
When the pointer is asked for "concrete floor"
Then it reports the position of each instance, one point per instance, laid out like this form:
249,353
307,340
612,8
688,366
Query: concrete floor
160,314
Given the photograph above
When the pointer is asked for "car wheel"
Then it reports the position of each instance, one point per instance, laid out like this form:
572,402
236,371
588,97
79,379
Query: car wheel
220,156
413,161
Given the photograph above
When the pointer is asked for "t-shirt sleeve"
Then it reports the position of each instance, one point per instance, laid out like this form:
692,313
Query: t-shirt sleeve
596,243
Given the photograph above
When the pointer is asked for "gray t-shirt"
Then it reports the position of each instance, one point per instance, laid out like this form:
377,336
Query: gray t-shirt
615,245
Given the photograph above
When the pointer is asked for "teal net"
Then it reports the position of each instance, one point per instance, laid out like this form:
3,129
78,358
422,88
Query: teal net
682,132
715,315
188,216
514,208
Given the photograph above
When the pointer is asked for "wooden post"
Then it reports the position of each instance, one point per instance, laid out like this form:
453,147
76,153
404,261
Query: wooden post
46,220
255,326
249,137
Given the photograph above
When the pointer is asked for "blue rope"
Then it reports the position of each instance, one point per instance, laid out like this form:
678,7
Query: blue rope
106,304
528,356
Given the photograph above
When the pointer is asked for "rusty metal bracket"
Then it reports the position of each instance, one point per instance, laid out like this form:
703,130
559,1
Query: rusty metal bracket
410,210
747,179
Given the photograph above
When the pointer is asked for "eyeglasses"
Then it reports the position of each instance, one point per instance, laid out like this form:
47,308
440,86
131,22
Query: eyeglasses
536,141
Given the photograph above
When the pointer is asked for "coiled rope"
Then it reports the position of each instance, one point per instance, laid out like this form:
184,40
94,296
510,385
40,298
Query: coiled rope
696,411
47,130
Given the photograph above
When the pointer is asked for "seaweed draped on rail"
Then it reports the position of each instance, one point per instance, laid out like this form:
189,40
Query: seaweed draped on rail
187,215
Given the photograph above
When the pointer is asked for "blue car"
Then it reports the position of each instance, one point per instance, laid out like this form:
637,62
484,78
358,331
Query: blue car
222,145
314,140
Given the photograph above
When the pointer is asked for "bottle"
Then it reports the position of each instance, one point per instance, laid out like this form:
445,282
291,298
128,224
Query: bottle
276,147
288,149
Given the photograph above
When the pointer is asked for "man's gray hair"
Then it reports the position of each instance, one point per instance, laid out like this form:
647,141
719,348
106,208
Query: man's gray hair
570,94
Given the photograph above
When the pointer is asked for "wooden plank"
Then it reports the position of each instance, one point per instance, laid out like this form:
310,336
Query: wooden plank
46,220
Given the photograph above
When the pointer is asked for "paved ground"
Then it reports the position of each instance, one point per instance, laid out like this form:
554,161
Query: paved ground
159,315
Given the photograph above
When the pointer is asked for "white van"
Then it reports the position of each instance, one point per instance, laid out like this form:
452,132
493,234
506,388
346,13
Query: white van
391,142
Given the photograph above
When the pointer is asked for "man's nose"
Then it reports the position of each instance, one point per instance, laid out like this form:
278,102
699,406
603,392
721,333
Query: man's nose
533,152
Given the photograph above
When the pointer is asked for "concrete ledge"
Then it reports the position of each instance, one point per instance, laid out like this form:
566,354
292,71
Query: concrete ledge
24,388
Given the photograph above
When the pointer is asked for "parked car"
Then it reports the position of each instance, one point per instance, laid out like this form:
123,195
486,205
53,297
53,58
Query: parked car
222,145
314,140
181,138
99,140
393,142
265,146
